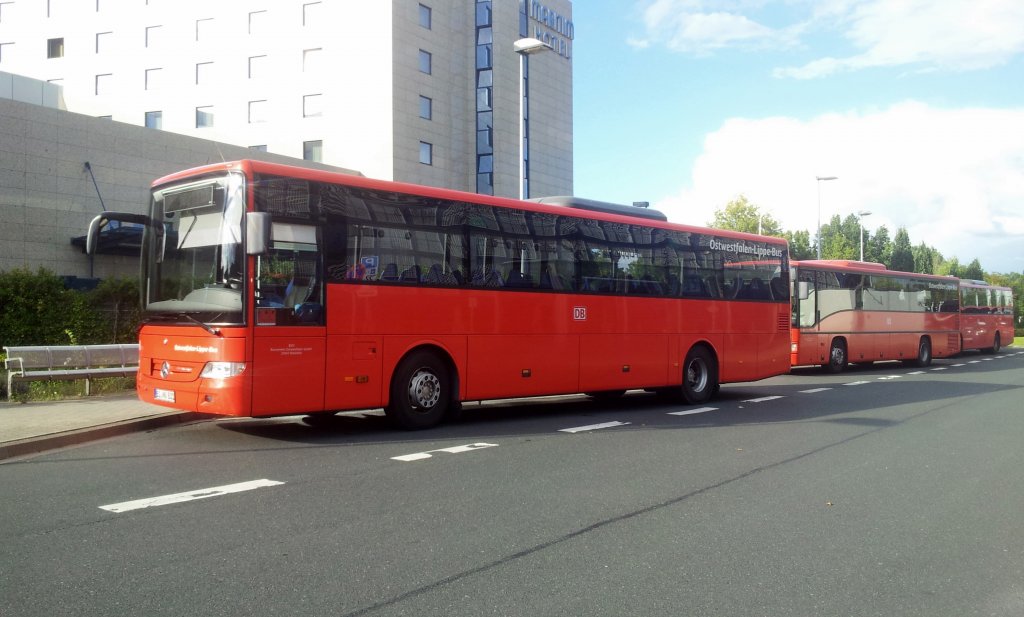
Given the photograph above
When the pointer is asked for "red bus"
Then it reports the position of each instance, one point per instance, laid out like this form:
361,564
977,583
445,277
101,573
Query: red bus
273,290
861,312
986,316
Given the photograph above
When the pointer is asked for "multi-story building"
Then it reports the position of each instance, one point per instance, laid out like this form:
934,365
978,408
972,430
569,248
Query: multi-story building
421,91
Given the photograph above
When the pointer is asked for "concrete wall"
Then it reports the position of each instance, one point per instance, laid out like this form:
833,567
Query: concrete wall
47,197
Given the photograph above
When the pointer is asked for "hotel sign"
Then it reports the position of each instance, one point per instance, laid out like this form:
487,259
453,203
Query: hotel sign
553,28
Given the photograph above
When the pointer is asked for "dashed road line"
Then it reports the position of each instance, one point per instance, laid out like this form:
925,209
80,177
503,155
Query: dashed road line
814,390
203,493
592,427
856,383
940,368
419,456
690,412
762,399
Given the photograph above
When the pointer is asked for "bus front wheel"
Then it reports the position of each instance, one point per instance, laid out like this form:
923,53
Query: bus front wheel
700,376
420,392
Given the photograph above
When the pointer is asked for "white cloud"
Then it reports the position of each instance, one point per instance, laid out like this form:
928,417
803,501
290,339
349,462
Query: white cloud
700,27
953,178
954,35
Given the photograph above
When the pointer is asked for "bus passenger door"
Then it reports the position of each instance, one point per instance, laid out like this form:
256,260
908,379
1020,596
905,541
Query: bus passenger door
289,346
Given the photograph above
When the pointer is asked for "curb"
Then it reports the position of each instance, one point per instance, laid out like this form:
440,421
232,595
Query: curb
36,445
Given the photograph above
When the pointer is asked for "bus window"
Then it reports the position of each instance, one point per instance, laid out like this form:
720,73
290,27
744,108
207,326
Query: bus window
289,291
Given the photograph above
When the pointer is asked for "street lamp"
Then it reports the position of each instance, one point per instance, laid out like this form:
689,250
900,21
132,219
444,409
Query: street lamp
525,47
862,214
821,179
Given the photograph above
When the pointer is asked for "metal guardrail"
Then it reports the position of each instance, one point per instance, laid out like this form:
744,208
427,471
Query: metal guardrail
69,362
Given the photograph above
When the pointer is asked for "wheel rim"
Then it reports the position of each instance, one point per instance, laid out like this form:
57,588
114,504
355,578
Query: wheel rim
424,389
838,355
697,375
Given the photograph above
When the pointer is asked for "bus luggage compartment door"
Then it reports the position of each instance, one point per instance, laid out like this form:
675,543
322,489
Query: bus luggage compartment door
288,371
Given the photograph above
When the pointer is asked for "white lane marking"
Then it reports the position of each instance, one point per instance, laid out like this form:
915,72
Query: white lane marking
959,365
419,456
986,359
975,362
592,427
814,390
203,493
856,383
762,399
940,368
888,377
916,373
690,412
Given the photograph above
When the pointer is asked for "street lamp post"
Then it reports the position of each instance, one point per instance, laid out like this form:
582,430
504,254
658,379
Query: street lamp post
525,47
862,214
821,179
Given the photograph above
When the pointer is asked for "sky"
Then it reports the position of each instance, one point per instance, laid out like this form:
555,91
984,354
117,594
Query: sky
916,107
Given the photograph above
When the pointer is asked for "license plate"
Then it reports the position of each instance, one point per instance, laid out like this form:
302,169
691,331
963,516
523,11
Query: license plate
166,396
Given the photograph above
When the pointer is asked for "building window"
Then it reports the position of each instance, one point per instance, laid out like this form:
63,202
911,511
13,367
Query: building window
257,67
425,61
103,40
259,148
312,106
153,78
204,29
103,83
4,7
5,51
313,151
153,35
425,16
310,13
204,73
257,22
257,112
204,117
55,48
311,59
485,98
426,153
426,108
154,119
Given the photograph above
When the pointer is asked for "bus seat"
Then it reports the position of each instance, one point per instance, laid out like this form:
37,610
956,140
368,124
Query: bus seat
411,274
390,273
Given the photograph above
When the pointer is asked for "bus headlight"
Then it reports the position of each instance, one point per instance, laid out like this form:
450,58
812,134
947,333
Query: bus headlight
793,348
222,370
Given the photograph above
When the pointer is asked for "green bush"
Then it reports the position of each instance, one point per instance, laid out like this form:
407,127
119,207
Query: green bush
38,310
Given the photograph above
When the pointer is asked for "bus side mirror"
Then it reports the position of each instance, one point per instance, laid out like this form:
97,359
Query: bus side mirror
803,290
257,233
100,221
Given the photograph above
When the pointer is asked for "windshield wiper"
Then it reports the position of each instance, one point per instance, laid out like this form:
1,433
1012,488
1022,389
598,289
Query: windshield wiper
172,316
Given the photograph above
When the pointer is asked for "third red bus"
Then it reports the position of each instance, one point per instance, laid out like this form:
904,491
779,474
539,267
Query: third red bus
986,316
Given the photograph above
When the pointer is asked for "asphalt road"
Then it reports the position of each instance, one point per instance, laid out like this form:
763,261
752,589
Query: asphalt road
883,491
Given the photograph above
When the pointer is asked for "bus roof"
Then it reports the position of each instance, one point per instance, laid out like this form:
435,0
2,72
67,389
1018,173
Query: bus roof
629,214
864,267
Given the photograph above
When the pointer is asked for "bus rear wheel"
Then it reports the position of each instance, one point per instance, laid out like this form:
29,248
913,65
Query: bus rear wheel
924,352
837,358
700,376
997,344
420,392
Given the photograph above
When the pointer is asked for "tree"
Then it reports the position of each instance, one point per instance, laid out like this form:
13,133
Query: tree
973,271
879,247
950,267
924,259
800,245
902,254
840,239
741,215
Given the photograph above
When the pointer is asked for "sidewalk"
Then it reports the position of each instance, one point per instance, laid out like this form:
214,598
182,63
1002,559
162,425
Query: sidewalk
29,428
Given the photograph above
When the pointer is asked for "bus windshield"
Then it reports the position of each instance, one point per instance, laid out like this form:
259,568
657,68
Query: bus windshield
193,260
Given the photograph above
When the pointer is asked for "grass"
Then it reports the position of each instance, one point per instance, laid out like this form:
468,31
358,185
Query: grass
60,390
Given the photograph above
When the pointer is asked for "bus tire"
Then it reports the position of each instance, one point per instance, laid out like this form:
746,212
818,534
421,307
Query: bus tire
924,352
700,375
837,357
996,345
420,392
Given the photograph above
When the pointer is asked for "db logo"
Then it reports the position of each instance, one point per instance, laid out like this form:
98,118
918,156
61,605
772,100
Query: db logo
579,313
